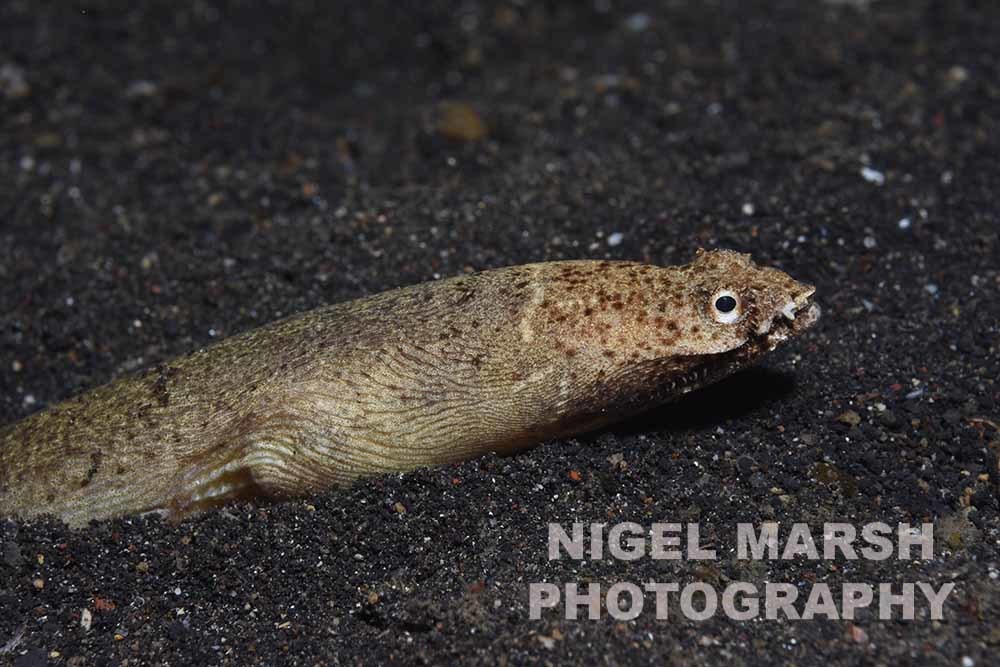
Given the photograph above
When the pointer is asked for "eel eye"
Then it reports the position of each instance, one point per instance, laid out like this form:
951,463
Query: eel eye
726,306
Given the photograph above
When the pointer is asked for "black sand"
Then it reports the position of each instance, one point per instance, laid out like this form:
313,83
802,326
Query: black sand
169,177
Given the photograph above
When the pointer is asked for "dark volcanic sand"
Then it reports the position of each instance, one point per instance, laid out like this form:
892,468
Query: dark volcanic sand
169,177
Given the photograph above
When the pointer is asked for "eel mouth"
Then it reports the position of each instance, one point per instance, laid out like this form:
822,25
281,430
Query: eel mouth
797,315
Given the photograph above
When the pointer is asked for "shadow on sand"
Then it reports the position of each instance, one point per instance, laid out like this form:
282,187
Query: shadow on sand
733,398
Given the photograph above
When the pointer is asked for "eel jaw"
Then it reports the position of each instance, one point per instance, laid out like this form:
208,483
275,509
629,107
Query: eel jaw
793,318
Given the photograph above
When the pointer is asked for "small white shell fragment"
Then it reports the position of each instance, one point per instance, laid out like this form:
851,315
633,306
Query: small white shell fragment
872,175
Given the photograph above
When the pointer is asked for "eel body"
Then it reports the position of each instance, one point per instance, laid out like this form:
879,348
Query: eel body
423,375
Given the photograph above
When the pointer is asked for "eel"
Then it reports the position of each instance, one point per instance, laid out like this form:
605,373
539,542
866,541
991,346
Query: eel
423,375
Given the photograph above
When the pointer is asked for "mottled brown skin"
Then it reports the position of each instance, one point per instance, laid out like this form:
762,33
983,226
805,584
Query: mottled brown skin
423,375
